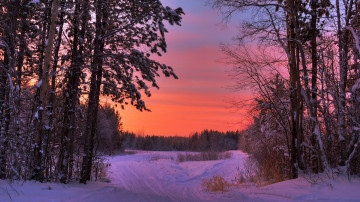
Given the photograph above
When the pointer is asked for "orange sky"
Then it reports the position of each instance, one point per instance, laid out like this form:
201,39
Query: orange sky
200,98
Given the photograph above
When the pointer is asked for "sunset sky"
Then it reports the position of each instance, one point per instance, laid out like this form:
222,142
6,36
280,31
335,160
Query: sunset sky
200,98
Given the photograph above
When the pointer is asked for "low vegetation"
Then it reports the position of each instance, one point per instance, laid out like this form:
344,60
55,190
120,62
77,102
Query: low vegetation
251,174
215,184
203,156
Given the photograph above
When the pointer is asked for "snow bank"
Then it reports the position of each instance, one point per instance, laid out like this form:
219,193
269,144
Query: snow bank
157,176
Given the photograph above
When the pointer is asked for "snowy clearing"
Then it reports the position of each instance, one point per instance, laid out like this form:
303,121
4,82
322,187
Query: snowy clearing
157,176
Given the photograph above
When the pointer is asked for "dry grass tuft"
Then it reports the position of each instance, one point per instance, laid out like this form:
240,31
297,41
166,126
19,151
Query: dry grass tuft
252,173
215,184
249,175
204,156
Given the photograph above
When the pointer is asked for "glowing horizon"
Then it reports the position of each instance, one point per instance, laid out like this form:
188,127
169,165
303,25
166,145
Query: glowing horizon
199,99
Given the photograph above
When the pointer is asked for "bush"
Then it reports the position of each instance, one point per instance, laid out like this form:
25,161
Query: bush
250,173
260,174
268,150
204,156
100,170
215,184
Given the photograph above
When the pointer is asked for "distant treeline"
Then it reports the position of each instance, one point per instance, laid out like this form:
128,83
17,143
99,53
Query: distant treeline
207,140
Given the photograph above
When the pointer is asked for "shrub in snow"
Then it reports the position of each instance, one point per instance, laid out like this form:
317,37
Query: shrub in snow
215,184
204,156
100,170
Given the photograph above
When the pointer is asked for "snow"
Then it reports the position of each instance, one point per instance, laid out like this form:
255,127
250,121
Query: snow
39,84
356,86
356,37
157,176
34,1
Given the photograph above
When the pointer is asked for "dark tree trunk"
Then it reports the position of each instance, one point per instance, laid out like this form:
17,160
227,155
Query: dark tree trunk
69,94
314,58
317,164
3,147
72,90
96,76
9,64
294,99
343,53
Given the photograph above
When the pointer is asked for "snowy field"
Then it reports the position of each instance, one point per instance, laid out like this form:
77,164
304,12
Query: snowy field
157,176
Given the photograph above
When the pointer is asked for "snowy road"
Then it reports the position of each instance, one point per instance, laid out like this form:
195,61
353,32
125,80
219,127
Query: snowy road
157,176
162,175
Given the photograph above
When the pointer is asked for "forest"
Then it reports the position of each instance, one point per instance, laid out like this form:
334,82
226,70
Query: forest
57,59
206,140
302,57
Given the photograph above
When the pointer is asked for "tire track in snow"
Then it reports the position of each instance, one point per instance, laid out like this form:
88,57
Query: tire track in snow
162,176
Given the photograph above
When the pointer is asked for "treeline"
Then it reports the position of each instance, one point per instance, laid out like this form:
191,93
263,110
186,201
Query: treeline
207,140
57,57
305,65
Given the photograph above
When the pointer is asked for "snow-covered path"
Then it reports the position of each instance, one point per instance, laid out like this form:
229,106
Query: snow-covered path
162,175
157,176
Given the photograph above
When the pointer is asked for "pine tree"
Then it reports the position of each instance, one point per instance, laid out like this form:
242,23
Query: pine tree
141,24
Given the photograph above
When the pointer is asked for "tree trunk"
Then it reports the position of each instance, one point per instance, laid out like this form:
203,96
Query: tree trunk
317,164
8,89
72,89
344,51
44,92
294,99
52,95
96,76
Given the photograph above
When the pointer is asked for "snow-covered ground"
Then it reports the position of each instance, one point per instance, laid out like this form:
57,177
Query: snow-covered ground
157,176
